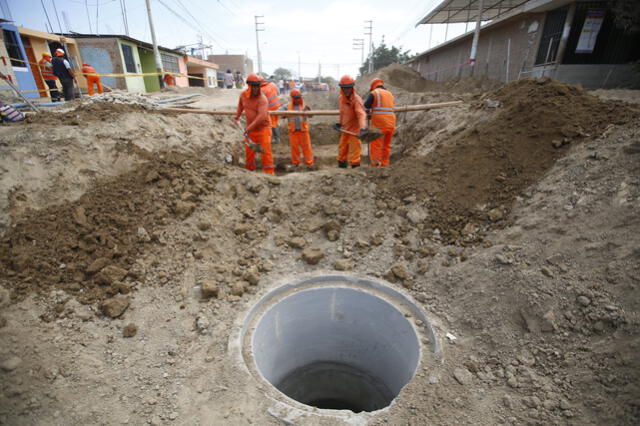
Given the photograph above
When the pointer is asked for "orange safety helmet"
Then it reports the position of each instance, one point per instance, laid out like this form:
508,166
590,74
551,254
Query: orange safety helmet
295,93
347,81
376,82
254,79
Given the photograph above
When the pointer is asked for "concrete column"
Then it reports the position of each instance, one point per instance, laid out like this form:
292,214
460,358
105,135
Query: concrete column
562,46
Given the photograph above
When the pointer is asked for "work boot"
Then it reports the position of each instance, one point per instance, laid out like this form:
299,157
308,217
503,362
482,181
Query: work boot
353,166
275,135
342,164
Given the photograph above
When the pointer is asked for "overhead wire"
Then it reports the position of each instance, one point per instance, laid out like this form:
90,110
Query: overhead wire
213,37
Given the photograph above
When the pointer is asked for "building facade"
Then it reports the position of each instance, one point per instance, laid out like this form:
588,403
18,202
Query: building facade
201,73
577,42
119,54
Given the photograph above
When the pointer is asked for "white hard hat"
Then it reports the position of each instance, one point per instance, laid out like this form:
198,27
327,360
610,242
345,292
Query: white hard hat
60,51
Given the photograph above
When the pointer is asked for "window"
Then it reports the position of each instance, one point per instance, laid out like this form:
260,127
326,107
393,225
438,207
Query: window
13,48
170,63
129,62
551,33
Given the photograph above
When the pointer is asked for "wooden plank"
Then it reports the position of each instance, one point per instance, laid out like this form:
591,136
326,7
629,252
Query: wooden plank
407,108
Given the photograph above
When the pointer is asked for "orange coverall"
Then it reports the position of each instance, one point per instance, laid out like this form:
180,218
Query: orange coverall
299,138
169,80
91,79
258,128
352,118
382,117
270,90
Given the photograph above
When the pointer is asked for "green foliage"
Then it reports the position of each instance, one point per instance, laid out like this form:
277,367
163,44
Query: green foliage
263,75
329,80
282,74
384,56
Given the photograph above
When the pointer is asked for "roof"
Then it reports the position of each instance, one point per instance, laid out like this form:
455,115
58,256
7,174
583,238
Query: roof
201,63
456,11
123,37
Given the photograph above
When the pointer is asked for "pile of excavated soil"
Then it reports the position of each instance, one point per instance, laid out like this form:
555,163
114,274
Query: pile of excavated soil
472,180
396,76
93,112
89,246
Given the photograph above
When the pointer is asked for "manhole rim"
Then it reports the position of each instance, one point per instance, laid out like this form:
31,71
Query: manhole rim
240,338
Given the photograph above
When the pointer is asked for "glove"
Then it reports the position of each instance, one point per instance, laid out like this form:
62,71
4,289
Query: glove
337,126
236,119
362,132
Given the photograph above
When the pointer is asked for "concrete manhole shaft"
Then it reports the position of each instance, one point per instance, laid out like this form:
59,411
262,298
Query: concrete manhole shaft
335,343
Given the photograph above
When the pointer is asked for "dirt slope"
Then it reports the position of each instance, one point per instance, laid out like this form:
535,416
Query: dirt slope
527,253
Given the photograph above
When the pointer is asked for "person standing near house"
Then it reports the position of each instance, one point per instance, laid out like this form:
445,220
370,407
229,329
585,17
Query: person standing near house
62,69
270,90
352,119
254,104
228,80
87,70
238,79
168,79
281,86
380,104
46,69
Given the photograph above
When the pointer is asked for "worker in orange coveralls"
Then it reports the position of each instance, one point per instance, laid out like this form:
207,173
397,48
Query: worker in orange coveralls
352,119
91,79
299,138
255,106
169,80
380,103
270,90
48,76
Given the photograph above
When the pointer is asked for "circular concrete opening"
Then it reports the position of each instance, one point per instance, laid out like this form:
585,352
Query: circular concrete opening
335,347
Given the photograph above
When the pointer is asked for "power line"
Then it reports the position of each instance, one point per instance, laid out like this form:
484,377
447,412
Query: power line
212,36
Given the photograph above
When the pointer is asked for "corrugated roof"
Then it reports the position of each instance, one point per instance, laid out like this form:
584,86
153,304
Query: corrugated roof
457,11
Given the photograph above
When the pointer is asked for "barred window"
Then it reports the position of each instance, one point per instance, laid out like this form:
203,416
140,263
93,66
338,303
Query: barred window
13,49
170,63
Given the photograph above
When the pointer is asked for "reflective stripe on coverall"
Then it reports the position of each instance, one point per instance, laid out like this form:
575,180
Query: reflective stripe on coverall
270,90
91,79
258,128
299,138
352,119
382,117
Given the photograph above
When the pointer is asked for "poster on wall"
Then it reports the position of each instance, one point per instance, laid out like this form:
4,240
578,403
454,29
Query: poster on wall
590,30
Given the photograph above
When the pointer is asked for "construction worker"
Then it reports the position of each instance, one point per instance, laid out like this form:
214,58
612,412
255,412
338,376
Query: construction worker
169,80
270,90
62,69
91,79
256,109
299,138
49,78
352,119
379,104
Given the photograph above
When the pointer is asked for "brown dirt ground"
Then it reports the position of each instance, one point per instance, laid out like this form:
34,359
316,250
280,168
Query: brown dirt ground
526,252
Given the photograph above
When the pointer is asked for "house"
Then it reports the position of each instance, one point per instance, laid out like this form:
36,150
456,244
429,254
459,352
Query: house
23,48
128,57
234,63
574,41
205,72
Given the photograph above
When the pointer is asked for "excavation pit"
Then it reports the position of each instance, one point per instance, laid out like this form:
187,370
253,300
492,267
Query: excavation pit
336,343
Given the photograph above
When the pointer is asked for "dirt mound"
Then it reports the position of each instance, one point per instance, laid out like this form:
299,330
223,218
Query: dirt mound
100,111
470,182
88,246
398,76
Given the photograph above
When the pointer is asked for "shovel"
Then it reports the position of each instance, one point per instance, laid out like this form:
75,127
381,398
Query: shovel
367,136
255,147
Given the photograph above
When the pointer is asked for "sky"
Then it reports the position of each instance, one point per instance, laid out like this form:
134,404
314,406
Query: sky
317,34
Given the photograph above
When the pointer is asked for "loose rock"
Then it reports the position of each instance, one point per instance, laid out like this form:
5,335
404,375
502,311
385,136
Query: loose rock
312,255
130,330
114,307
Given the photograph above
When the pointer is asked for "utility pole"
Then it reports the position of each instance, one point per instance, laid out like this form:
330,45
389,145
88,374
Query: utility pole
156,52
358,44
86,6
123,8
258,29
370,34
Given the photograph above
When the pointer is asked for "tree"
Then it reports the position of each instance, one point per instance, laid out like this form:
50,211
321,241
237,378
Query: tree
282,74
383,56
329,80
263,75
